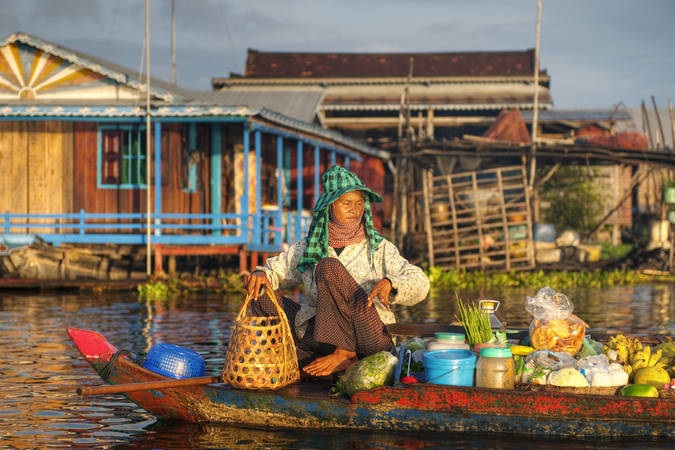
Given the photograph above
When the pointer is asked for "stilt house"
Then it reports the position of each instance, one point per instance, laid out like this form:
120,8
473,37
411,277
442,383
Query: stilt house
213,173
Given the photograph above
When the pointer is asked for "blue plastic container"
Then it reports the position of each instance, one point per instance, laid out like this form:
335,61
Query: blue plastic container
518,232
544,232
174,361
450,367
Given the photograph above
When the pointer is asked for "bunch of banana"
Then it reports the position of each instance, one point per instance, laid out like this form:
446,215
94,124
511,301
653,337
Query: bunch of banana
668,356
644,358
632,354
619,348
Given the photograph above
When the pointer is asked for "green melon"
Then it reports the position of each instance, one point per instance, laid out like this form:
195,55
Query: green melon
639,390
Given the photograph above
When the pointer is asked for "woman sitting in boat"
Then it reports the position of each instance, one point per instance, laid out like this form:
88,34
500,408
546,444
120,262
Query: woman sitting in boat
351,276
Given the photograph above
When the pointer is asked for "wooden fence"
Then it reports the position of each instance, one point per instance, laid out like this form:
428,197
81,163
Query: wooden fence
479,220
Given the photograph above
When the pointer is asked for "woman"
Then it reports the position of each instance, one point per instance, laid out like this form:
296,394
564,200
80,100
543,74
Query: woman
351,276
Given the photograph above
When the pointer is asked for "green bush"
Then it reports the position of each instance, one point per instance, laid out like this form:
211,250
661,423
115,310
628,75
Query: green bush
573,200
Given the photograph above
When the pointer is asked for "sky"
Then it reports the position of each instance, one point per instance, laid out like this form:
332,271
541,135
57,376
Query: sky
598,53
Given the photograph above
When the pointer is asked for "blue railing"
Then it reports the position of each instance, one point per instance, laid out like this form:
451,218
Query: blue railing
268,230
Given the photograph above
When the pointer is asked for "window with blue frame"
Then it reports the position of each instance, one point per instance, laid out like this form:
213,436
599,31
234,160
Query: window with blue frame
122,157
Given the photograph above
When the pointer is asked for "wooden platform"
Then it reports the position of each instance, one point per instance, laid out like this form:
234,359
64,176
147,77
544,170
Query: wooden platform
43,265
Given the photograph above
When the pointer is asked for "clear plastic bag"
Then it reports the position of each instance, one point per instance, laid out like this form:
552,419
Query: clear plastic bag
369,372
554,326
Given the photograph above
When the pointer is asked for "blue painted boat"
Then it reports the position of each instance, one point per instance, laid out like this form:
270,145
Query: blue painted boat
403,407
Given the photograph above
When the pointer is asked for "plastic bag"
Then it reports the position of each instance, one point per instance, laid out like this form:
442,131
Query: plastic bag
600,372
540,363
554,326
367,373
551,360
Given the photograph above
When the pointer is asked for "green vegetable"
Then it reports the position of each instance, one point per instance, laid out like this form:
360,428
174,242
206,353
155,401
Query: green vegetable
476,323
416,343
369,372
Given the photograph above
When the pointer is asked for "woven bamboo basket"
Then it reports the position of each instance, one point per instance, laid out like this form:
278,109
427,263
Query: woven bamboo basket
590,390
261,353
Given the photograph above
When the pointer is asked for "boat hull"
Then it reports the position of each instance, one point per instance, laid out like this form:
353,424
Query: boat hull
402,408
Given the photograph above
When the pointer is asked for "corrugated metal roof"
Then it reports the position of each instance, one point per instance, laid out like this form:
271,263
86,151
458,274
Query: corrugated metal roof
583,115
297,104
188,111
326,133
652,123
386,96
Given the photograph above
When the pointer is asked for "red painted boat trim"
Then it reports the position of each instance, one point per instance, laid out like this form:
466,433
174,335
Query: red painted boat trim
430,397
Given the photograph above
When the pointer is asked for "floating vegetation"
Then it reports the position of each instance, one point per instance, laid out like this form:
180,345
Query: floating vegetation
461,279
162,286
153,290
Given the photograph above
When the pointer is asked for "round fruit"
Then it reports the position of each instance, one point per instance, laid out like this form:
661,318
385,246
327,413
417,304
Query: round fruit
639,390
656,376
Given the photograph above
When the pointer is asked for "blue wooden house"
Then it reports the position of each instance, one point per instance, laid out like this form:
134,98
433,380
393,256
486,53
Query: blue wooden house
234,172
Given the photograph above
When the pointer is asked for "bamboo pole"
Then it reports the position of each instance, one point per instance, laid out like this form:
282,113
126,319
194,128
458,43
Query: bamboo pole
535,113
173,41
148,145
146,385
426,188
662,135
637,179
646,125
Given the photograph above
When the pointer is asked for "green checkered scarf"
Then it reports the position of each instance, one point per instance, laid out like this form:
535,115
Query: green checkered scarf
336,182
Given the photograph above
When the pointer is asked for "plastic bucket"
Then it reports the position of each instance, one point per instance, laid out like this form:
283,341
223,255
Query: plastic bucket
544,232
451,367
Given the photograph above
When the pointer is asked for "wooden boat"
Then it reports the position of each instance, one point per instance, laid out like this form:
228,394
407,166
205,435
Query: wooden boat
400,408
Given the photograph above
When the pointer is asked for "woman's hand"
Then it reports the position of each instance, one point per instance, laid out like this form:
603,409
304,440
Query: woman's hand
255,282
381,291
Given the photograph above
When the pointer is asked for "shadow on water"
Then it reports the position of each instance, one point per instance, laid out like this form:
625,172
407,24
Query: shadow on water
40,369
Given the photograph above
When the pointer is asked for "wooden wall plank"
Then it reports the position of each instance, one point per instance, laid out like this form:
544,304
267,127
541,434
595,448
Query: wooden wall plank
19,167
68,148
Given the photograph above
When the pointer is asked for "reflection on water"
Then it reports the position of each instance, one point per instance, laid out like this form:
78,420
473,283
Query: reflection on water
40,369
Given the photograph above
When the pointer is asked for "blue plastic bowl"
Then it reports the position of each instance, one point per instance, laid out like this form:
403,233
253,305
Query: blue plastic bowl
174,361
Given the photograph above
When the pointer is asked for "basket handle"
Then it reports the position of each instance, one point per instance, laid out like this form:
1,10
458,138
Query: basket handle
275,302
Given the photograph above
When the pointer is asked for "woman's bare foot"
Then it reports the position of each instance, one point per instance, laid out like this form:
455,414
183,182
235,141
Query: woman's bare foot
341,359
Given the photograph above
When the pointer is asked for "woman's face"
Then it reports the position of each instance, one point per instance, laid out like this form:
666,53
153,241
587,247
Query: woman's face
349,207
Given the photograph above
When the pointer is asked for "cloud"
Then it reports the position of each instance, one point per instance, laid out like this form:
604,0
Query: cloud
597,52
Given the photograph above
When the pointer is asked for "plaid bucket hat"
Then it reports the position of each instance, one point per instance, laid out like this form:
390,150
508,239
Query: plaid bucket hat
337,181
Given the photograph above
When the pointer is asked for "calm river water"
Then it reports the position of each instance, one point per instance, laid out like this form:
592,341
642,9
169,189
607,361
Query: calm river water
40,369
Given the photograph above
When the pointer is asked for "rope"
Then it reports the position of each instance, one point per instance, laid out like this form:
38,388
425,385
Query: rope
106,372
